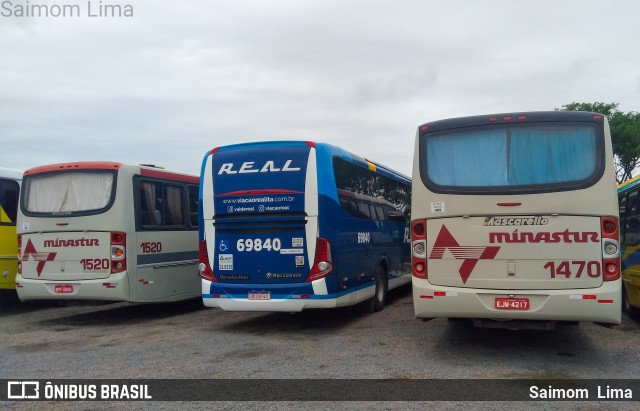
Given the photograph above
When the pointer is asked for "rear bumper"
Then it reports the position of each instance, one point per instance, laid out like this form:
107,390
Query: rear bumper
284,297
598,305
113,288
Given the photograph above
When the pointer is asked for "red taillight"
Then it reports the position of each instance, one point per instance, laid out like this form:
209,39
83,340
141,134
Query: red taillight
323,262
419,248
610,248
417,228
204,269
522,117
20,254
118,252
609,227
507,118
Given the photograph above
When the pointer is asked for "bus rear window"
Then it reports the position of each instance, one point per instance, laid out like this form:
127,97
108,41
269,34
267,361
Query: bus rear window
521,157
68,192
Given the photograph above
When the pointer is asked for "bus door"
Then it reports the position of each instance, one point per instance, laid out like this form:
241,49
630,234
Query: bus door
263,229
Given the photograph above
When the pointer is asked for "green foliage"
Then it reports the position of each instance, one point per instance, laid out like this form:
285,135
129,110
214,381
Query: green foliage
625,134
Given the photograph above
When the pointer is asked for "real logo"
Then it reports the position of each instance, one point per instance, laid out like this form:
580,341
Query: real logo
250,167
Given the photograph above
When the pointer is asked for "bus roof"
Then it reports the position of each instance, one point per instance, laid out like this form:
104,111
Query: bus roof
145,170
515,117
102,165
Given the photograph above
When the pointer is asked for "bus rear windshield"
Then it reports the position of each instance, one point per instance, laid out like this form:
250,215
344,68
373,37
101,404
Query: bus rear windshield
514,158
68,192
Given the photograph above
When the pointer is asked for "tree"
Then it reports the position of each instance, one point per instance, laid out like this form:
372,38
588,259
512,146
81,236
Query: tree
625,134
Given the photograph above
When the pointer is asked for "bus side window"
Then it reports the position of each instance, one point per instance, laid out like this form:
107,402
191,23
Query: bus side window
193,206
353,208
622,203
364,209
150,203
632,214
173,205
9,200
374,215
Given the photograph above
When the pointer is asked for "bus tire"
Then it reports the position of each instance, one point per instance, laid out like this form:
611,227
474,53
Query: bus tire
627,308
379,299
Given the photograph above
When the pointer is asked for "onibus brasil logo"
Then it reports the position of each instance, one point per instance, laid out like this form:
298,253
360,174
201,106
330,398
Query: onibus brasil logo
469,253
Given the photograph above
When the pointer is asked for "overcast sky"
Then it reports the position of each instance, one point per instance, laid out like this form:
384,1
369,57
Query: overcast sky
181,77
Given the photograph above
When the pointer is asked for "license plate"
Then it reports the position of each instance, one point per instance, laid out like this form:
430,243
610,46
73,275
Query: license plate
259,295
63,289
512,303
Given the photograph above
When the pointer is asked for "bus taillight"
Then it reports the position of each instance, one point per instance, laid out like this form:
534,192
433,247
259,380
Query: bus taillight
204,270
419,248
118,252
20,254
323,263
610,248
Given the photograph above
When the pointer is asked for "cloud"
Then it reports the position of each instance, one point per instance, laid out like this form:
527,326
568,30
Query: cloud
182,77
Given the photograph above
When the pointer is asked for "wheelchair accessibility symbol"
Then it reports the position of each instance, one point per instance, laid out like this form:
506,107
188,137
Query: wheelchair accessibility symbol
224,245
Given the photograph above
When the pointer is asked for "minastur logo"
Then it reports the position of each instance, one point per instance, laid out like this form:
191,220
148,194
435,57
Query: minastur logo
470,254
40,257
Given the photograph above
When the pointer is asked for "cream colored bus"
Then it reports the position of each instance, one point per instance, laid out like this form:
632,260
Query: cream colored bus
108,231
515,220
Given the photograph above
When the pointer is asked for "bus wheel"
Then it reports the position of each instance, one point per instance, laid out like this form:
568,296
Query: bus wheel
627,308
377,302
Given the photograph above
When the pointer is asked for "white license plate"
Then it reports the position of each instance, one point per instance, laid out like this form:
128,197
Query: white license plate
259,295
63,289
512,304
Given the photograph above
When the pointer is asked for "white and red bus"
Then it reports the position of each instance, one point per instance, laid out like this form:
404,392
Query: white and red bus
108,231
515,217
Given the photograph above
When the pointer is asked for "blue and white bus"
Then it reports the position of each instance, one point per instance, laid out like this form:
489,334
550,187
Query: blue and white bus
289,226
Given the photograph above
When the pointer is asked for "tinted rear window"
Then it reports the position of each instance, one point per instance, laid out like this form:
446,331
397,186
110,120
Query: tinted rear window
526,157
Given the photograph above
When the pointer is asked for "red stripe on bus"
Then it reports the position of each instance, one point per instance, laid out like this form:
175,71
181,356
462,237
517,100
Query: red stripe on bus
605,301
96,165
426,296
